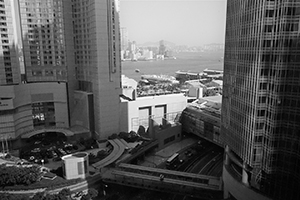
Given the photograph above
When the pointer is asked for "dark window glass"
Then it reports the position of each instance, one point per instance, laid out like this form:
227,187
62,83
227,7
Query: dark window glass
79,166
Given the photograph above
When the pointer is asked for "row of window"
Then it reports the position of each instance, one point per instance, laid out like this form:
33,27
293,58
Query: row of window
288,27
288,116
44,30
46,57
48,73
55,26
55,46
57,63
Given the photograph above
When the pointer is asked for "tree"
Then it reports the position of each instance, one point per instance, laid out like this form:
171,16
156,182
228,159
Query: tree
38,196
66,192
141,130
92,193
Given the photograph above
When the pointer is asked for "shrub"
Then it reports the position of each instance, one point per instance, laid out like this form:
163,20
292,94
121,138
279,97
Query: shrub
13,175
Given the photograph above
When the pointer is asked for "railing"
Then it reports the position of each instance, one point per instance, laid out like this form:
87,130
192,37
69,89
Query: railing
145,122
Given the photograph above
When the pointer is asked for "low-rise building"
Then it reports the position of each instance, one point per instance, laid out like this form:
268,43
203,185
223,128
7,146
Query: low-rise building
139,111
75,165
203,118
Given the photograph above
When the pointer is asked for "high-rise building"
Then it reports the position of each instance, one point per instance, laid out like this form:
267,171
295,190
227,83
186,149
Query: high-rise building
124,39
98,67
59,66
162,48
261,100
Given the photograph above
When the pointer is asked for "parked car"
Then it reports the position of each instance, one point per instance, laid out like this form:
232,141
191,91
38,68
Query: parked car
62,151
35,150
51,154
55,159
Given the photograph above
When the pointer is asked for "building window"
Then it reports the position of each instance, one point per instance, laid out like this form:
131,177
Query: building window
169,139
36,73
261,113
79,166
43,114
260,126
9,80
269,13
85,166
268,28
263,86
262,99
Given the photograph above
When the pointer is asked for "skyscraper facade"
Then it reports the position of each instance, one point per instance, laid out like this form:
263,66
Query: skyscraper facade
261,100
98,68
59,66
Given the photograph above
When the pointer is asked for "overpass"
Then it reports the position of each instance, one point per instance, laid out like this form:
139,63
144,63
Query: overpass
196,185
64,131
118,150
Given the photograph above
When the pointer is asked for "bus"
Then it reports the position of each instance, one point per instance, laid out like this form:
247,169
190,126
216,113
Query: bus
172,161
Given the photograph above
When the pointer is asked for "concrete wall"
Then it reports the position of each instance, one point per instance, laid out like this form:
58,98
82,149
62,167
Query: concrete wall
80,112
235,188
168,132
73,165
195,92
130,110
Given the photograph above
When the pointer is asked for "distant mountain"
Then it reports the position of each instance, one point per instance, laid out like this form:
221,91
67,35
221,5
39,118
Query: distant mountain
156,44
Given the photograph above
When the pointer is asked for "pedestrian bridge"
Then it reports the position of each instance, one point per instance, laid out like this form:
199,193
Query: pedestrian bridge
118,149
196,185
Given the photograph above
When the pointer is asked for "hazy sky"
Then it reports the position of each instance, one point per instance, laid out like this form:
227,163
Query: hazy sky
183,22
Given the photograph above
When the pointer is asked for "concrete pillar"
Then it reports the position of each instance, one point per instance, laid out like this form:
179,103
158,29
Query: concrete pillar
150,128
225,193
245,175
227,160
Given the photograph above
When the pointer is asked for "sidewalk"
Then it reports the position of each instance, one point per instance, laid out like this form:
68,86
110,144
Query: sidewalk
162,155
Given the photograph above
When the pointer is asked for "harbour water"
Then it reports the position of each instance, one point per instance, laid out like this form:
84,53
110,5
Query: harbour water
193,61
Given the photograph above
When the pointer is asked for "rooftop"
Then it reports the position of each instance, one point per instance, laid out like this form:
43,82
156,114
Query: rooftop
75,155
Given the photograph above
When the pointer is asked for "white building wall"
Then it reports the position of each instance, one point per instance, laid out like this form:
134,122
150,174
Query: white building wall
71,168
130,112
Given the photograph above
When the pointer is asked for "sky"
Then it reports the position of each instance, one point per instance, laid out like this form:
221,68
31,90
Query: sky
183,22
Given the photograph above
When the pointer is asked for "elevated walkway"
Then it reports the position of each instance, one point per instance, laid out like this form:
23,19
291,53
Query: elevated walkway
29,134
118,149
206,187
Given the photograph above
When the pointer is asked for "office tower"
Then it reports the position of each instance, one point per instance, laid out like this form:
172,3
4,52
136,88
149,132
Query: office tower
261,100
98,67
34,60
59,66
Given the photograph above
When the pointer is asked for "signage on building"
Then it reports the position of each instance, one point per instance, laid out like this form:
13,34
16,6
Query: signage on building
6,104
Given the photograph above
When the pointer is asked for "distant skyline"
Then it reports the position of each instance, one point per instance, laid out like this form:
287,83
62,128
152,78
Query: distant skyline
183,22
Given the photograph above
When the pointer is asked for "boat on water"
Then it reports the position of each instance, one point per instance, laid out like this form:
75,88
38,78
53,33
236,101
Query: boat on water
159,78
137,70
183,75
188,75
212,71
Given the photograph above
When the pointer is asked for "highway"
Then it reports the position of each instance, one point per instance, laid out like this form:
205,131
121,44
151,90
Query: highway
208,160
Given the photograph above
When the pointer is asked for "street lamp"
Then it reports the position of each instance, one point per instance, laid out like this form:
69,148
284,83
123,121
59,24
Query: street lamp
104,192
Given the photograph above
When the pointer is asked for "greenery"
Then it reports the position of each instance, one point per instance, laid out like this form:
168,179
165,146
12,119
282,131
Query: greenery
58,182
88,143
64,194
12,175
